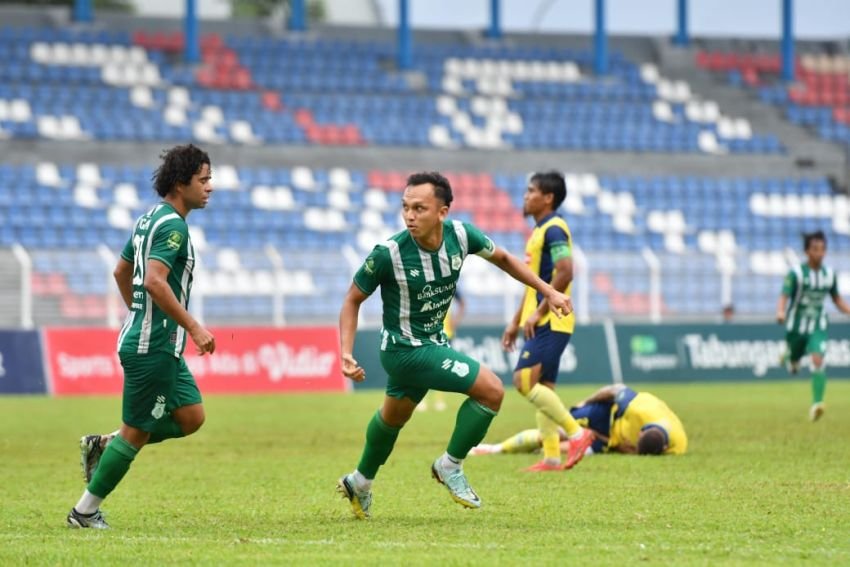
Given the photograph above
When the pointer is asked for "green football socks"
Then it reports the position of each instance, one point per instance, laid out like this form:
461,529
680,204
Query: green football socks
473,420
818,386
380,439
114,464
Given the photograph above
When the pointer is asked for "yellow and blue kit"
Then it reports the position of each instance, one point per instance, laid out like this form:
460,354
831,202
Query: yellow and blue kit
549,242
633,412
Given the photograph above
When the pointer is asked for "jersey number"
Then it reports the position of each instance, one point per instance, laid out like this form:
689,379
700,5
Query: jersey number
138,257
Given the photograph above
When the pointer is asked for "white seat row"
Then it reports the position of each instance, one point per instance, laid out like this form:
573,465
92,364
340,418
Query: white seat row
560,71
61,127
81,54
131,74
15,110
800,206
257,282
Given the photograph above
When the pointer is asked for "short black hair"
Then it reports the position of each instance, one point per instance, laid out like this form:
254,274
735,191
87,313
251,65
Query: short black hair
551,182
179,164
651,442
442,187
809,237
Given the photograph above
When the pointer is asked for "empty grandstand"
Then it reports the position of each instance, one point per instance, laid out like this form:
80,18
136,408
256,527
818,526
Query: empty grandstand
685,193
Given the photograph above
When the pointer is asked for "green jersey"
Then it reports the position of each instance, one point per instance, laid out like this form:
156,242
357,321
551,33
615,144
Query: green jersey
160,234
417,285
807,289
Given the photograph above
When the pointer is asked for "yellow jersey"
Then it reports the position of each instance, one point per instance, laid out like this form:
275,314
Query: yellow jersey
448,324
634,411
550,232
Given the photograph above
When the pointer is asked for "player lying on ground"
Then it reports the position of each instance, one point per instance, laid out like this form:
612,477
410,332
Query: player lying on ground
641,423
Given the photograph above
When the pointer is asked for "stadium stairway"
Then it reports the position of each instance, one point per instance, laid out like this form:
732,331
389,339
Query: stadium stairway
10,285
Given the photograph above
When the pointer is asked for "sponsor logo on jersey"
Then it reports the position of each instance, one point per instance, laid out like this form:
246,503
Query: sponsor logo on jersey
414,273
175,239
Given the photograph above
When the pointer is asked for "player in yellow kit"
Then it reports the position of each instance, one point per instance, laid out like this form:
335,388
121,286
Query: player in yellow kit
549,255
622,420
641,423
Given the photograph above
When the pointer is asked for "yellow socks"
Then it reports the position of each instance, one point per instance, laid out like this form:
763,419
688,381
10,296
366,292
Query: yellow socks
549,438
523,442
547,401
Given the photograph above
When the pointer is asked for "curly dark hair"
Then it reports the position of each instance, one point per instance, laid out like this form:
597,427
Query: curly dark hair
442,187
179,164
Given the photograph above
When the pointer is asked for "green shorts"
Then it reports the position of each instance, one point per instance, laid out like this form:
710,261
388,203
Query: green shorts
415,370
155,384
800,345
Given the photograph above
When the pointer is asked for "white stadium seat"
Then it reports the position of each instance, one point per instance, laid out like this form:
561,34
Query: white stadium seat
47,173
302,178
127,196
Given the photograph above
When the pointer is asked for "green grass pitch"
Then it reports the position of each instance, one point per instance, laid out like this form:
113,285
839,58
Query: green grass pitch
760,485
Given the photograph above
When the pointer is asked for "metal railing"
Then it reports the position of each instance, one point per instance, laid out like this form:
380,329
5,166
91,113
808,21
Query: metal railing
623,285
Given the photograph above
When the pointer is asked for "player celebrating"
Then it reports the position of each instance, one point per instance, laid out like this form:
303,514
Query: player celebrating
154,276
417,271
549,254
804,316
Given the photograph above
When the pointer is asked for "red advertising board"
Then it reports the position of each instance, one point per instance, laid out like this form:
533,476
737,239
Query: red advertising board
246,360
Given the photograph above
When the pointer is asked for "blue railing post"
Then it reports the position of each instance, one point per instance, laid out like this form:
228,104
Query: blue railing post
495,31
405,41
83,11
192,49
298,17
788,40
600,41
682,38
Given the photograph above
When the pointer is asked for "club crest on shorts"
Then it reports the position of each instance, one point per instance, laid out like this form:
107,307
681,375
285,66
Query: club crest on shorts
457,367
159,407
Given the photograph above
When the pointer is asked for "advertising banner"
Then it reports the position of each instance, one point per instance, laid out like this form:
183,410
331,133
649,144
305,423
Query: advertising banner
585,359
21,363
246,360
670,353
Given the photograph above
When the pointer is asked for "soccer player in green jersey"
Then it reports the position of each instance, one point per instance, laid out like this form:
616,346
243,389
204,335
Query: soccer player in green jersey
417,271
801,310
154,276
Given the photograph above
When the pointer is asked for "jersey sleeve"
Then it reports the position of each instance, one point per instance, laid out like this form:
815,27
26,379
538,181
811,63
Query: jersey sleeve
557,242
789,284
373,271
128,253
479,243
833,291
168,240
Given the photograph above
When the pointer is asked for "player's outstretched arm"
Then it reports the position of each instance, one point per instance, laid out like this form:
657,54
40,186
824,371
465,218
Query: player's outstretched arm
841,304
559,303
348,317
780,308
604,394
123,275
156,284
